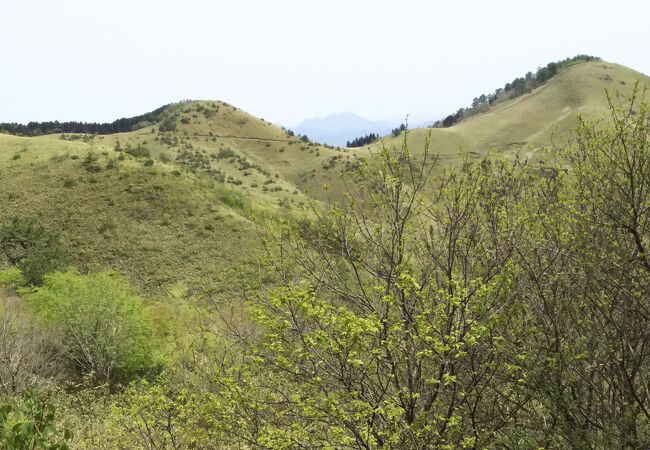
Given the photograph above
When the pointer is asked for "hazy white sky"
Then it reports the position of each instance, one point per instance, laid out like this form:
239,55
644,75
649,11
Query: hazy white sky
286,60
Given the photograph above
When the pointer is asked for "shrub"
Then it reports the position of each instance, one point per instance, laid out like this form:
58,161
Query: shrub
169,124
31,248
225,153
163,416
30,424
90,163
234,199
104,326
138,152
12,277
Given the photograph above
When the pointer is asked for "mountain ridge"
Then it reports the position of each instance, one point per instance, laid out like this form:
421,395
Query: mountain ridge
524,125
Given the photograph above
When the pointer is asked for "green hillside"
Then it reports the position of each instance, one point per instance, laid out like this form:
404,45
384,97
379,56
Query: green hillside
157,226
200,282
524,125
165,207
238,148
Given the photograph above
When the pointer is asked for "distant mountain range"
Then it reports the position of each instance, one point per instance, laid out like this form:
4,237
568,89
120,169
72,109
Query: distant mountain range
337,129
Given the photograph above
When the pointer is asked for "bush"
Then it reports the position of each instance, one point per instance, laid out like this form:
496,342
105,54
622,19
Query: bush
234,199
12,277
138,152
30,424
225,153
90,163
104,326
31,248
163,416
169,124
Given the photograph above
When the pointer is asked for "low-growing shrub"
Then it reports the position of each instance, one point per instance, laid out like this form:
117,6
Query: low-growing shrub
105,327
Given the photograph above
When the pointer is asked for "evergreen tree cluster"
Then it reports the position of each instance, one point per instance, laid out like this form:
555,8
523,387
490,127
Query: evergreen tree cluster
362,140
515,88
398,130
52,127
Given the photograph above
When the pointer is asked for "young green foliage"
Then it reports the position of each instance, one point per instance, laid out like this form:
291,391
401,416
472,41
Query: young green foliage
105,328
30,424
388,330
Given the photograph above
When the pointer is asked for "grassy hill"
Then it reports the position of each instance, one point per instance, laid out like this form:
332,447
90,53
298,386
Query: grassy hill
157,226
176,202
473,288
165,208
526,124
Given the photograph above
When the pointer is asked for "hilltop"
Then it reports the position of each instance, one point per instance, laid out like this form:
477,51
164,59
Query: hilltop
174,202
178,199
168,276
526,124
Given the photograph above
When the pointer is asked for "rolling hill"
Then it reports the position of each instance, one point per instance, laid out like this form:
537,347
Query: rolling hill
165,208
526,124
178,202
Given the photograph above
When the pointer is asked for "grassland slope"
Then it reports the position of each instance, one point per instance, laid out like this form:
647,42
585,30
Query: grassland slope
532,121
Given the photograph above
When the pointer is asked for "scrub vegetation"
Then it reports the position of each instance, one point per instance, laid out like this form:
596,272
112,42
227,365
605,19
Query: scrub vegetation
209,280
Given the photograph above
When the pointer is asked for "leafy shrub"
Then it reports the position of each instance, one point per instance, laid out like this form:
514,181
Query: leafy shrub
113,163
30,424
169,124
225,153
31,248
12,277
138,152
234,199
104,326
90,163
163,416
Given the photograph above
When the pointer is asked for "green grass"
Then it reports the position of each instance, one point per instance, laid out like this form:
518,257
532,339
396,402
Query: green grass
270,165
525,125
175,214
156,228
186,213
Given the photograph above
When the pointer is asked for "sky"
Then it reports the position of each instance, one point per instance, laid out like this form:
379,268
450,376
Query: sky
288,60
